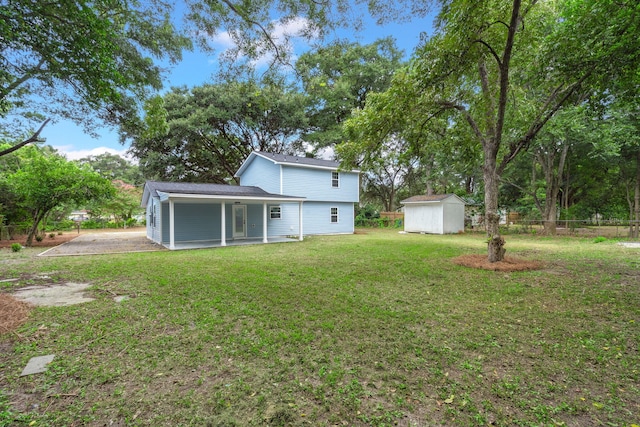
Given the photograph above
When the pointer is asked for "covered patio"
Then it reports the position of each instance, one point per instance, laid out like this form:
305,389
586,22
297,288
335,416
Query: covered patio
187,216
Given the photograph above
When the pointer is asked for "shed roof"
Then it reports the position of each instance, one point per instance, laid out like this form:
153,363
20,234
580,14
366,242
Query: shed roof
291,160
434,198
213,191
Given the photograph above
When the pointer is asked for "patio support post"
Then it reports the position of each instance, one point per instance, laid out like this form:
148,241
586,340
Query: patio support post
300,237
223,228
172,240
264,222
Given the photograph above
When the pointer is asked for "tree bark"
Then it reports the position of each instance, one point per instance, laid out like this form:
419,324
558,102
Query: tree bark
553,180
636,199
37,217
33,138
495,242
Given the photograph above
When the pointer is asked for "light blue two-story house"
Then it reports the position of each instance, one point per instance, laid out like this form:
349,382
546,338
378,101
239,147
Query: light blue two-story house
279,196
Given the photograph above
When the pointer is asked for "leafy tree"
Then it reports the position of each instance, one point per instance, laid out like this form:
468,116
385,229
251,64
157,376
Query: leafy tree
506,68
114,167
211,129
428,154
337,78
81,60
44,182
122,206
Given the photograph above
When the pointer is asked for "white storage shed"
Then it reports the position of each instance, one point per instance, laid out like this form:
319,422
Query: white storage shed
437,214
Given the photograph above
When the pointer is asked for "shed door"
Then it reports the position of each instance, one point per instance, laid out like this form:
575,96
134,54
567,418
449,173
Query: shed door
239,221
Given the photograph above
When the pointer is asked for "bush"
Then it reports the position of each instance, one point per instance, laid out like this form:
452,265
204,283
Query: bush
39,238
599,239
16,247
91,224
52,235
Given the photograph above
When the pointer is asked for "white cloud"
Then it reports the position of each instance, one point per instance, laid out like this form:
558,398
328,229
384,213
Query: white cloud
72,153
293,29
223,40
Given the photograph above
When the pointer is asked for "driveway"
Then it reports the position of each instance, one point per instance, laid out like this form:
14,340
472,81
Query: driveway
105,243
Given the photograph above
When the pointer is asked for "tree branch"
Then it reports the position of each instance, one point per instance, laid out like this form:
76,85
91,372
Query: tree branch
486,92
16,83
493,52
504,72
468,118
540,121
278,55
33,138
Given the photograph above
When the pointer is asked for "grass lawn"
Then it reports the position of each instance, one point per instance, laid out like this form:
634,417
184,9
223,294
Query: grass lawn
376,328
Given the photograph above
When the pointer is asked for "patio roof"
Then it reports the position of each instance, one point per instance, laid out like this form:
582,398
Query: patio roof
186,190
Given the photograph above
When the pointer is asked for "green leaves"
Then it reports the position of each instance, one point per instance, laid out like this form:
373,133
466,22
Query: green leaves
80,60
47,180
204,134
339,78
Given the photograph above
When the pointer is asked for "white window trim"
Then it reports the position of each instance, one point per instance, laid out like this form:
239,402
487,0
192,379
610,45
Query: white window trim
279,212
336,179
337,215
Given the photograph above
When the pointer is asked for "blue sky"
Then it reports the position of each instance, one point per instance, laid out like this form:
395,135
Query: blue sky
197,68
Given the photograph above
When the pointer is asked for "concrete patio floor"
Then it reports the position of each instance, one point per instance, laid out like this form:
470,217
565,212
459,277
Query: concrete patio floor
136,241
238,242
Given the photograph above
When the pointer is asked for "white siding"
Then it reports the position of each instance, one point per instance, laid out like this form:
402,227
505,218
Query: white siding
453,216
424,218
442,217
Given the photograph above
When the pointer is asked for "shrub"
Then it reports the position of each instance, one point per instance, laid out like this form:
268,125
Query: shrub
16,247
599,239
52,235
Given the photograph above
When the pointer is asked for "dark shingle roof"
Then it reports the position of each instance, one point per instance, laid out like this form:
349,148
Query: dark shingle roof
153,187
297,160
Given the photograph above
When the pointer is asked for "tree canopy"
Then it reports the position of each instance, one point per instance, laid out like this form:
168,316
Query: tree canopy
81,60
338,78
44,181
506,68
204,134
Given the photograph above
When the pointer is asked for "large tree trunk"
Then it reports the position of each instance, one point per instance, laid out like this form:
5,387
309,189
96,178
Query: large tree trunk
495,242
37,217
553,180
636,229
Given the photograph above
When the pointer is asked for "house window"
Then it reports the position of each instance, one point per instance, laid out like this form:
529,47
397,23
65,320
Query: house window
275,212
335,179
334,215
153,215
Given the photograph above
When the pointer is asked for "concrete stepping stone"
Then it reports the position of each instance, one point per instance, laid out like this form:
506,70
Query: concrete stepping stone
37,365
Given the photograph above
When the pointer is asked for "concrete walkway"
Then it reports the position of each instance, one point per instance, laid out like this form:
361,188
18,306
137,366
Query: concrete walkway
105,243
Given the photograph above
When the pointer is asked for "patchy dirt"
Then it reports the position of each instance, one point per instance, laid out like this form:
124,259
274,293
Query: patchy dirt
57,295
47,242
507,265
13,313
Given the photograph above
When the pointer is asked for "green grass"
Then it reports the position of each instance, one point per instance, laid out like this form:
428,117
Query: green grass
373,329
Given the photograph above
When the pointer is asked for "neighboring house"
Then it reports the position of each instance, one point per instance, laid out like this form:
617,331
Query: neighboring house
438,214
78,216
278,196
